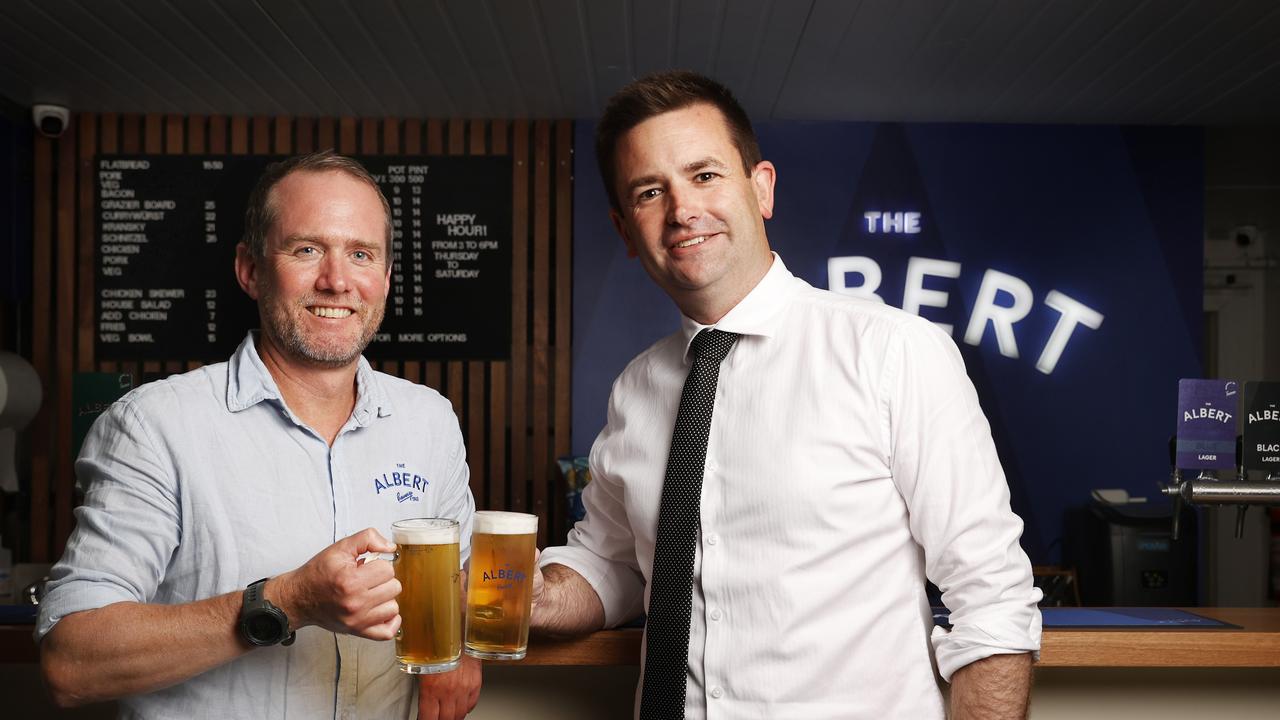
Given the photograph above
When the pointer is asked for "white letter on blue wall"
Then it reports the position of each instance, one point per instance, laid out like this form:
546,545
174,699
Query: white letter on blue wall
839,267
915,295
1002,318
1073,313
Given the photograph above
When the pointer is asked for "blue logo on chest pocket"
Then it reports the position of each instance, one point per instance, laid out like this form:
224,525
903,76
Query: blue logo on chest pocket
406,485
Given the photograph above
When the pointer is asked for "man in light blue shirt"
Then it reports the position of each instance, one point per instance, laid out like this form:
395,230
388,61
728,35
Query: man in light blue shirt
288,462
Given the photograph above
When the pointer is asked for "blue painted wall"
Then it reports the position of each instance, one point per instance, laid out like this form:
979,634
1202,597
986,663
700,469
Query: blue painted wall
1110,217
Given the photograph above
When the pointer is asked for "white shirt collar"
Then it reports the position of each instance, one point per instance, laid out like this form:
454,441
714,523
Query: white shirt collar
756,314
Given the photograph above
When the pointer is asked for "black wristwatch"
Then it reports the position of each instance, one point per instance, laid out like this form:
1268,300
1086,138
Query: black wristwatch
262,623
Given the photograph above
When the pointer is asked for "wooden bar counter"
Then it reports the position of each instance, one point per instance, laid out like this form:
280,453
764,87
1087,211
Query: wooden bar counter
1099,674
1256,643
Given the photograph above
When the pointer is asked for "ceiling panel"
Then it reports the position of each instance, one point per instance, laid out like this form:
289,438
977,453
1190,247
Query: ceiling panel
1149,47
742,29
525,43
52,61
653,36
241,66
1132,61
289,60
565,24
607,36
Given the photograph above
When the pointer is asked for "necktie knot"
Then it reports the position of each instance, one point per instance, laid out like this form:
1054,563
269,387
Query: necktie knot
713,344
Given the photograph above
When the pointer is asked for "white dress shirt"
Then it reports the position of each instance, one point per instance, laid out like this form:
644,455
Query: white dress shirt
848,460
199,484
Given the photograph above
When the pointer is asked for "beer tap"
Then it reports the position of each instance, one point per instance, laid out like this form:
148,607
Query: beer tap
1255,449
1241,476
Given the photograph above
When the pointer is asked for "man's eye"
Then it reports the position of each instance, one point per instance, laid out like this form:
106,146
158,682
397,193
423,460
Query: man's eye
649,194
705,177
360,255
306,250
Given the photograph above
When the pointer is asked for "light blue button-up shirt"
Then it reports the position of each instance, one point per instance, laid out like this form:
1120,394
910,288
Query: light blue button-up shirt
199,484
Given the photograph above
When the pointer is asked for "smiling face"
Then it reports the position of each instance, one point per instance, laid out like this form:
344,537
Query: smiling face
690,212
323,282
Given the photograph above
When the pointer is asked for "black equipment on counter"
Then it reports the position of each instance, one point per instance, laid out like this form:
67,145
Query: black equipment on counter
1126,555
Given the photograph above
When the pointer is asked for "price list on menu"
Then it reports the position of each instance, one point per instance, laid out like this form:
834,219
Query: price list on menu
167,228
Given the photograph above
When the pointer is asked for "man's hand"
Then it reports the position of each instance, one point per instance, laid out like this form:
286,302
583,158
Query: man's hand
564,603
451,695
341,593
994,688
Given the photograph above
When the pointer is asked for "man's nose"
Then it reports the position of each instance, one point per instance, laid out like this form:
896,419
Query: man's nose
682,205
333,274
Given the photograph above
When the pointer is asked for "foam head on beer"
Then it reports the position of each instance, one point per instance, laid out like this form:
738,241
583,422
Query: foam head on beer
497,522
424,531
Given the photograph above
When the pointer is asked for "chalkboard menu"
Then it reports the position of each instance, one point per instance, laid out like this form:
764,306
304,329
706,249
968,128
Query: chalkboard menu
167,228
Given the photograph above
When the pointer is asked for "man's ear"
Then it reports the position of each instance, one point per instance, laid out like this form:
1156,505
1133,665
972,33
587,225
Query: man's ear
621,228
247,270
763,176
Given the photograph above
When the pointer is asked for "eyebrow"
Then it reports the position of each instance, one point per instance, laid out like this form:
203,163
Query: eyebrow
354,243
688,168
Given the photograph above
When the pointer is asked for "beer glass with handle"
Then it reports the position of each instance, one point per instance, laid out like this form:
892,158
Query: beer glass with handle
500,584
430,637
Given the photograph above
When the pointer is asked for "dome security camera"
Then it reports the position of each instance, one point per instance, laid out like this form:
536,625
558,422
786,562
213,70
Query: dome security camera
51,120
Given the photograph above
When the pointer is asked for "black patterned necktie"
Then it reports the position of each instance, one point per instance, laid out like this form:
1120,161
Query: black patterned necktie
666,660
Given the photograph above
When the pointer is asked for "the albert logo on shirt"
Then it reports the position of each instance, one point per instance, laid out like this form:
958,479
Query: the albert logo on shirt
404,484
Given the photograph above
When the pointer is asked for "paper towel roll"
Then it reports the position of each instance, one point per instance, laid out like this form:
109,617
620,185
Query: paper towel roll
19,402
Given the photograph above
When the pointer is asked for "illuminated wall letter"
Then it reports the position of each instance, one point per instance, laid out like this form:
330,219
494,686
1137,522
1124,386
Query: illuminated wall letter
871,217
915,296
891,222
912,223
1073,313
1002,318
839,267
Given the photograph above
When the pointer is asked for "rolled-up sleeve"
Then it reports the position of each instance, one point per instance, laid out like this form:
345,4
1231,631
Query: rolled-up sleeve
601,547
945,464
127,527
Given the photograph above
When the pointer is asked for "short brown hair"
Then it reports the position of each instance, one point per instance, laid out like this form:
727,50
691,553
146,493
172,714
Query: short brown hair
262,213
660,93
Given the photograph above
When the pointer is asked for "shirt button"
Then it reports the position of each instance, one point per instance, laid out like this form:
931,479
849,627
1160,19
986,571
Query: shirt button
712,539
717,692
716,615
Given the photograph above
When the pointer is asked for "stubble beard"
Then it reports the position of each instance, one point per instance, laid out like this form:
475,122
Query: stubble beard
286,330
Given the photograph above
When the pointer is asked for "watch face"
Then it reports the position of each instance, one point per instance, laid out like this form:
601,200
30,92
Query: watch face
262,628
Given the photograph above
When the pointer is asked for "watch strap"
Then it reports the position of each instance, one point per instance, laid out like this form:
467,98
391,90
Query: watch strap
254,599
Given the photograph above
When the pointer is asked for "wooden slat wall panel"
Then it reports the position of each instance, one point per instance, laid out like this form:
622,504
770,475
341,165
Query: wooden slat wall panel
498,392
196,145
514,413
64,349
541,380
562,294
42,314
435,146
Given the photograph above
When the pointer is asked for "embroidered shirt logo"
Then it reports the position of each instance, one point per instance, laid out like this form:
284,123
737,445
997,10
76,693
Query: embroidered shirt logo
406,485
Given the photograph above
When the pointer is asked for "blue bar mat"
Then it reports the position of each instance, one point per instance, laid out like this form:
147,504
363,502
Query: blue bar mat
1084,618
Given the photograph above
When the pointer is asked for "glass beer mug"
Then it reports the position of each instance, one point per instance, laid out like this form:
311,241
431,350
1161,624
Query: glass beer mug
500,584
426,564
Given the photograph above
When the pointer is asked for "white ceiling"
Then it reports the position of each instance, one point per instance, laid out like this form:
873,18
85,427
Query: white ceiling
1198,62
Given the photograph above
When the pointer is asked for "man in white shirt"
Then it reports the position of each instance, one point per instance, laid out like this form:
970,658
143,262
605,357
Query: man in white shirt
265,471
847,460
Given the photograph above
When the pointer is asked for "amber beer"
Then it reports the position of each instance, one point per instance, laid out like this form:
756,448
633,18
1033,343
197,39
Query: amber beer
430,636
500,584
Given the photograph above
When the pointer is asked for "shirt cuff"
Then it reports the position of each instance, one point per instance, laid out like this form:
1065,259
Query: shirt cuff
620,588
982,637
73,597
